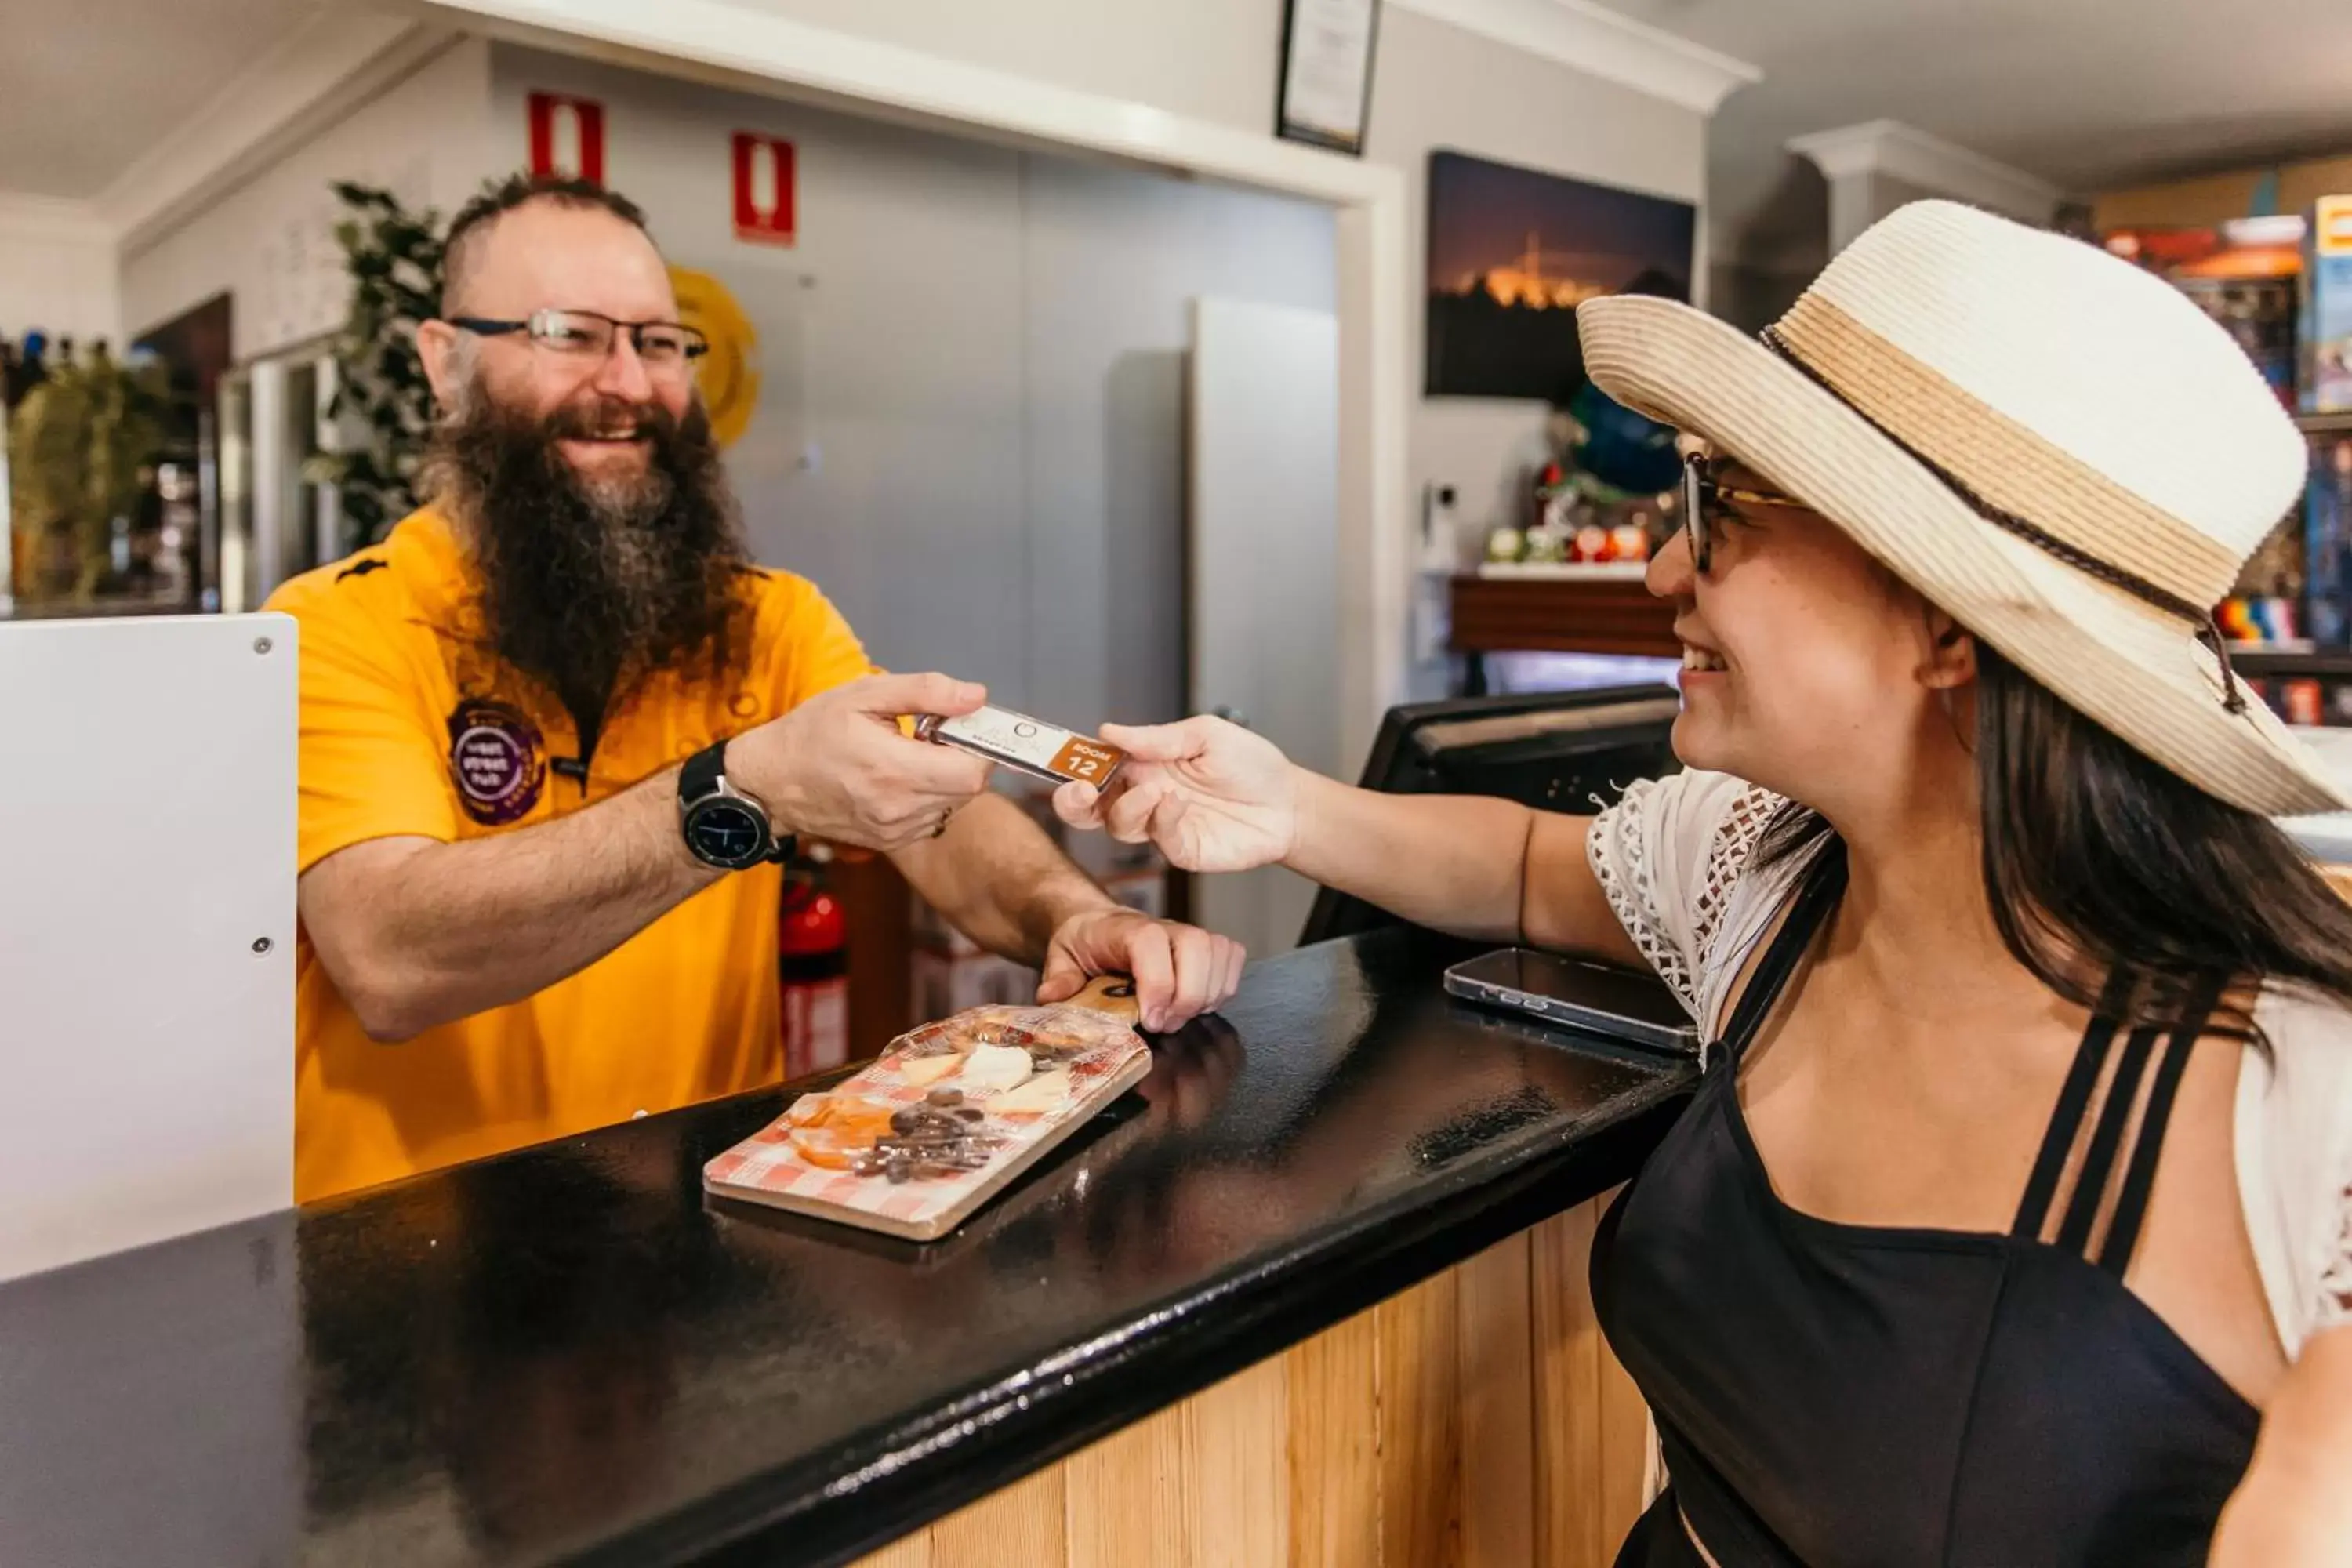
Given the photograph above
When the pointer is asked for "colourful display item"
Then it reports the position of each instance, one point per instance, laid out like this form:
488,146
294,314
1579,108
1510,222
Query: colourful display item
2325,332
2327,545
2161,249
2261,622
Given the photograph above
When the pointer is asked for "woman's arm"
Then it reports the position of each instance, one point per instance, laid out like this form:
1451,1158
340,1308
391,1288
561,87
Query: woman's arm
1214,797
1467,864
2294,1509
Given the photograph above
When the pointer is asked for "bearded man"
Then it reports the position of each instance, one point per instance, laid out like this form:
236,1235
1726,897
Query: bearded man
558,728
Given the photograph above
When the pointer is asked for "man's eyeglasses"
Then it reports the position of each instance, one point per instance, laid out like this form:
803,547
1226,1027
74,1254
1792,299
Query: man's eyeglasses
666,347
1703,505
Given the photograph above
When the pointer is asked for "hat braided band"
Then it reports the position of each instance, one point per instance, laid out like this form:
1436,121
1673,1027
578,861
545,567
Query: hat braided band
2081,560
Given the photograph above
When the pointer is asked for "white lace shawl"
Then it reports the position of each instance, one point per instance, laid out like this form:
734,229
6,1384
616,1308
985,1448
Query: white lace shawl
1671,857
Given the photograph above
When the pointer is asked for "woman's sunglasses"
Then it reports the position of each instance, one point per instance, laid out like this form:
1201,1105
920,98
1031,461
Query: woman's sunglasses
1703,499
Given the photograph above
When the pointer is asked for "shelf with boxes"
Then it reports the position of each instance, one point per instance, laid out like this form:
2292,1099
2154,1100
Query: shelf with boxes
2303,685
2281,285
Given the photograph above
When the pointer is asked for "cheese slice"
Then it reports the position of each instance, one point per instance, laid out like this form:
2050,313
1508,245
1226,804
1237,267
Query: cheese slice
924,1072
996,1067
1046,1092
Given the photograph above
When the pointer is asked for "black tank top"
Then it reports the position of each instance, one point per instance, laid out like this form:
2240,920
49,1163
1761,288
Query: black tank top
1842,1395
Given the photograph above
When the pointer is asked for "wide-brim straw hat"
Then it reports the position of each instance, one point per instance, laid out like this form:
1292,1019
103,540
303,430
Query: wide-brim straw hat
2058,448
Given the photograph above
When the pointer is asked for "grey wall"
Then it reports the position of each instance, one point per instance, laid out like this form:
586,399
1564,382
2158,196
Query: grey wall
978,353
1889,192
1435,85
1111,260
271,242
1751,297
1439,87
1766,254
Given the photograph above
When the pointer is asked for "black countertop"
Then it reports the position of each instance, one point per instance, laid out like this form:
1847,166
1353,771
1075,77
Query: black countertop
569,1354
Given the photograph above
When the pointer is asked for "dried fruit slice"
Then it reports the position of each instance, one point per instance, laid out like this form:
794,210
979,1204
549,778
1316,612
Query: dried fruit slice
819,1146
809,1111
858,1118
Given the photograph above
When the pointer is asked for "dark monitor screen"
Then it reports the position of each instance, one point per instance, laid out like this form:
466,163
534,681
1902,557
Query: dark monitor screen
1557,751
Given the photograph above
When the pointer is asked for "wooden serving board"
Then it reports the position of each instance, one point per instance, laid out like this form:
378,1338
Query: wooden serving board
1091,1037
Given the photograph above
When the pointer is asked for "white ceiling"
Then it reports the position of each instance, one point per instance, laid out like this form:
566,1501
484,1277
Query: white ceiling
87,86
2088,94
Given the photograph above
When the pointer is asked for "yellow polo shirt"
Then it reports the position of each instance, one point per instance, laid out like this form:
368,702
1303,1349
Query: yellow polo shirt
410,726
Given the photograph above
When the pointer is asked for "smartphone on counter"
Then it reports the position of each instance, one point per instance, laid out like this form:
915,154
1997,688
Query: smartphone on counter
1599,998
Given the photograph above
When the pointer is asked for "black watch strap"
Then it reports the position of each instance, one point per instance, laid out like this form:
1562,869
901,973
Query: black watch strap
698,777
702,772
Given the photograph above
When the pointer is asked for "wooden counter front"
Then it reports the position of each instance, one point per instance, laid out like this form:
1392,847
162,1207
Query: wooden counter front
1476,1420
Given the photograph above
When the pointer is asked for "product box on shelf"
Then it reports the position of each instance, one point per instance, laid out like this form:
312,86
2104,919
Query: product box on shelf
2328,543
2263,608
2307,700
2243,274
2161,247
2326,332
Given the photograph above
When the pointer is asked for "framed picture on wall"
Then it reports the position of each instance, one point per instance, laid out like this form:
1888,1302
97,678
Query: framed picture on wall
1512,253
1326,95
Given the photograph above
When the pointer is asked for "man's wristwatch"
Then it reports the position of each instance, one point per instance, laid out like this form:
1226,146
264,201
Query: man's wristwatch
724,826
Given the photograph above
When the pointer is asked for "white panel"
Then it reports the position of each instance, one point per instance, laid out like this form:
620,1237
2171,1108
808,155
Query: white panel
146,847
1265,616
273,472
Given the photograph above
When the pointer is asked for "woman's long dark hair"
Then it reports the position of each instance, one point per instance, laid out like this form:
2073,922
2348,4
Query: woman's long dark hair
2099,863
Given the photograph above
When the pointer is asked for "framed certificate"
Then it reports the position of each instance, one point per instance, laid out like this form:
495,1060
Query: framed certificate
1327,71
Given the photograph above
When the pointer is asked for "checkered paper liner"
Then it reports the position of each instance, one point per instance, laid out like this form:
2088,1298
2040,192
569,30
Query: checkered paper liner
1092,1046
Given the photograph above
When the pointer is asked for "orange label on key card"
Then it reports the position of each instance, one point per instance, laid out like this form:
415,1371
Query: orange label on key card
1087,762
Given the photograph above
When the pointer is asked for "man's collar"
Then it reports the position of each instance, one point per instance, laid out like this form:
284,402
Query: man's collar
447,585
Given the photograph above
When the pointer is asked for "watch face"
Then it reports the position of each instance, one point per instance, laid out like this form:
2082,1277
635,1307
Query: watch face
726,832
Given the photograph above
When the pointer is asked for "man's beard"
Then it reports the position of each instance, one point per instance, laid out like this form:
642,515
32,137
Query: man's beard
590,585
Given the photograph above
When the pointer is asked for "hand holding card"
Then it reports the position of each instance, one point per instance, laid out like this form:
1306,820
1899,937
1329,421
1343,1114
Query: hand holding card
1026,745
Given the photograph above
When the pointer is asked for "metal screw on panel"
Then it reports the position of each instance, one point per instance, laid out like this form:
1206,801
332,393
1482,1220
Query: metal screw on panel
262,944
261,645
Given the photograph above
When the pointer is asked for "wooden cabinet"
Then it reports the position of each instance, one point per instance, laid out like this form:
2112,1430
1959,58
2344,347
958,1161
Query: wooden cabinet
1561,615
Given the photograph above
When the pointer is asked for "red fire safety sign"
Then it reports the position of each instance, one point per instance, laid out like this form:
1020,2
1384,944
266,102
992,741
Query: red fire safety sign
764,189
567,136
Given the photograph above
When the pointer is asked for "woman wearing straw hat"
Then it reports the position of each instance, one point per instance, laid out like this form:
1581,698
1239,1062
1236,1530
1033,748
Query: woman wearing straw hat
2016,1200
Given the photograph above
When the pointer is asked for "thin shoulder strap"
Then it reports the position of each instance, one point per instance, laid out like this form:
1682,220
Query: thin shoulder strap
2073,1100
2140,1175
2099,1160
1817,892
2106,1139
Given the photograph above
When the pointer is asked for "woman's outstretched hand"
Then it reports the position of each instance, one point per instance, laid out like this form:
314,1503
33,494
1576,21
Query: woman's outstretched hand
1209,795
